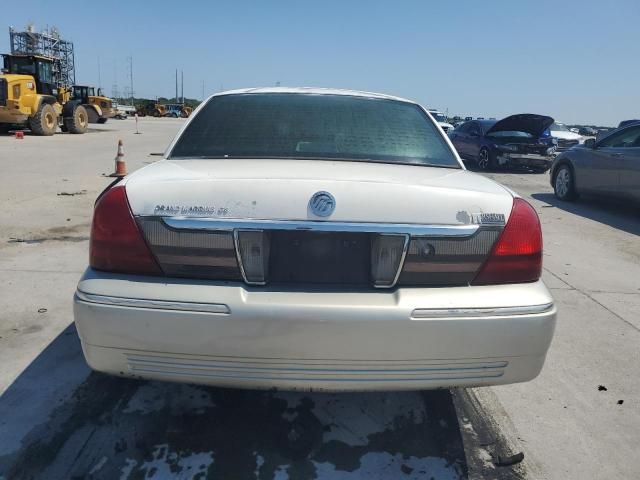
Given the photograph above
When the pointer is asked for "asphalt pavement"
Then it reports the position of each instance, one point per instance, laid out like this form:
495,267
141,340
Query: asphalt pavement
579,419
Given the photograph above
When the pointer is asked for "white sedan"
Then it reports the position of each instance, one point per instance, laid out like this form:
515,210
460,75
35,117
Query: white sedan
314,239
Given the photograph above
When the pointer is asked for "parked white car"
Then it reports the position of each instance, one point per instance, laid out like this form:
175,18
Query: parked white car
314,239
442,120
123,111
565,137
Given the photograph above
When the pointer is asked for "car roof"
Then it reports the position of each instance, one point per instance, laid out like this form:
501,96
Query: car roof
313,91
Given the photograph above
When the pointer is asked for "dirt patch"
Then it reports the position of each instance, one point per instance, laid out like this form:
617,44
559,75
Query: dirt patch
55,234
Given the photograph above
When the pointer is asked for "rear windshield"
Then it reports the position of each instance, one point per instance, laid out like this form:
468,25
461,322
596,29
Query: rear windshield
333,127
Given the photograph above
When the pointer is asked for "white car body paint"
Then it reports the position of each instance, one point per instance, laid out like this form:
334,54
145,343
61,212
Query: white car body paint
280,189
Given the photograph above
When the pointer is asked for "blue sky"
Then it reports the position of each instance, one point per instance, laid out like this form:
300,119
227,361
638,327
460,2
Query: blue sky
577,61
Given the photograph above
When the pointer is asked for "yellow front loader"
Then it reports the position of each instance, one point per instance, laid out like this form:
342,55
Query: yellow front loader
99,107
29,98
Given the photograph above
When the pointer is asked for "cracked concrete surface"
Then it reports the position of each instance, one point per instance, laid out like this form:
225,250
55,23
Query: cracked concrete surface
592,266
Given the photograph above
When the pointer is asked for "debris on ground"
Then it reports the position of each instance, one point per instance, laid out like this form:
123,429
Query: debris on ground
620,402
406,469
72,194
42,310
60,238
602,388
509,460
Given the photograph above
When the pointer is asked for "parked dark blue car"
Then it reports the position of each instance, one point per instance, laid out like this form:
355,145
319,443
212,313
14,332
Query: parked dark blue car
521,139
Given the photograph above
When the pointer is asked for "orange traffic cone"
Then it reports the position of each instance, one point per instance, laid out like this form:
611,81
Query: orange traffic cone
121,167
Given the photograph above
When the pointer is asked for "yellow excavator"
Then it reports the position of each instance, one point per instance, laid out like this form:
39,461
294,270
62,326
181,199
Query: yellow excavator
30,97
99,107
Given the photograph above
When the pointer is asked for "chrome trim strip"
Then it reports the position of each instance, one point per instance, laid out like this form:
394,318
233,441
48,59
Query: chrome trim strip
226,224
218,308
405,249
428,313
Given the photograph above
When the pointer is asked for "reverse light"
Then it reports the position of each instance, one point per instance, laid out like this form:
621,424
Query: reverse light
253,255
117,245
387,252
517,254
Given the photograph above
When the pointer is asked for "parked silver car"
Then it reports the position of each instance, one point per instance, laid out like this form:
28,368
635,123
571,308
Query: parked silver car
609,166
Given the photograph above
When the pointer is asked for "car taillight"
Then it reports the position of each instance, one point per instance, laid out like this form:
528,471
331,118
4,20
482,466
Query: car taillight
517,255
117,245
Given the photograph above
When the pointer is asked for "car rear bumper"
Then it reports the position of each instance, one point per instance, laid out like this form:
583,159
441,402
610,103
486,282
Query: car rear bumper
526,159
229,335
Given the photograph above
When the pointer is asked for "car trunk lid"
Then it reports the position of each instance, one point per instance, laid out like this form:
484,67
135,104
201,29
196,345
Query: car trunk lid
281,190
530,123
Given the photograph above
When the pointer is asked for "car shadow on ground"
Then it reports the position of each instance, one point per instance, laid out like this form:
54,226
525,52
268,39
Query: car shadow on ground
59,420
616,214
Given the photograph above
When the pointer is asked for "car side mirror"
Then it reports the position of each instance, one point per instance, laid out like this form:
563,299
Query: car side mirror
590,143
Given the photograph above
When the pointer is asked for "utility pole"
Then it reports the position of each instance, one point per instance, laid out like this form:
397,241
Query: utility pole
115,93
131,77
182,83
176,85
